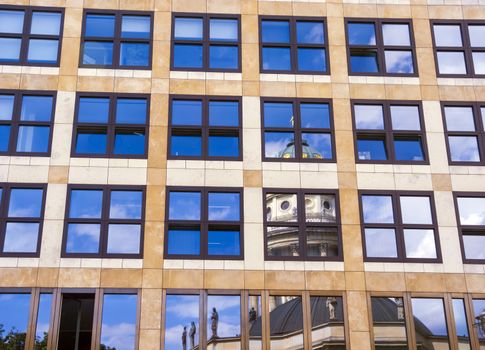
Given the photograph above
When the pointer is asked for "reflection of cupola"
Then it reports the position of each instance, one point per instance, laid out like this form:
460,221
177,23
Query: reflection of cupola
307,151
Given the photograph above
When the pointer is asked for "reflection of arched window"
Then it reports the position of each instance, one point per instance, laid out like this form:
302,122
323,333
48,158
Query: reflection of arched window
284,205
268,213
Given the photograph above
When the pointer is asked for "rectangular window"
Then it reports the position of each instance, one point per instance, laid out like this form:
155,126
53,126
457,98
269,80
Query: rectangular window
459,48
293,45
479,318
43,324
255,322
206,42
31,35
297,130
430,323
286,333
114,126
464,129
327,315
204,223
399,226
389,323
302,225
14,319
26,120
104,221
205,128
182,321
117,39
381,47
389,132
119,321
461,324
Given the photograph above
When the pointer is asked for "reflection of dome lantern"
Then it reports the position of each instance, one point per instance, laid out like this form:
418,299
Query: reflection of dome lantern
307,151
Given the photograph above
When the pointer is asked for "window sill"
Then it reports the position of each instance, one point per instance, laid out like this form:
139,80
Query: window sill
403,267
189,75
361,79
200,264
14,69
461,81
101,263
295,78
118,73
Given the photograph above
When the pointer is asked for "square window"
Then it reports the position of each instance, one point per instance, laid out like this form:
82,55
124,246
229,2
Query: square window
131,111
224,206
183,242
399,61
91,142
43,51
420,244
471,223
101,26
98,53
371,149
473,246
276,59
187,56
25,203
310,32
224,29
288,248
278,115
138,27
396,34
316,145
93,110
125,205
129,143
370,117
134,55
451,62
405,118
315,115
185,206
83,238
377,209
361,33
33,139
79,209
223,113
279,145
10,49
364,61
320,208
186,145
415,210
124,239
408,149
311,60
275,31
464,149
477,35
46,23
226,243
447,35
188,28
459,118
223,146
6,107
4,138
36,108
479,62
11,22
380,243
223,57
186,112
21,237
322,242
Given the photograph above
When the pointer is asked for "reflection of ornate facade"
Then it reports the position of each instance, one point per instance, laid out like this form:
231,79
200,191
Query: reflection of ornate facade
307,151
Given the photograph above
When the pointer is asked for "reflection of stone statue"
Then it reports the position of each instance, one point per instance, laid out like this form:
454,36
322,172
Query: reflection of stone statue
331,305
323,249
294,250
184,339
192,332
400,309
253,315
214,322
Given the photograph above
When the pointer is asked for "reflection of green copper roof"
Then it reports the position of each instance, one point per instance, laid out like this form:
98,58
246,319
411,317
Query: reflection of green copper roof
308,152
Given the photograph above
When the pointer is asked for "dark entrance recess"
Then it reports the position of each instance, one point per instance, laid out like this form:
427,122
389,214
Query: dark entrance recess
76,326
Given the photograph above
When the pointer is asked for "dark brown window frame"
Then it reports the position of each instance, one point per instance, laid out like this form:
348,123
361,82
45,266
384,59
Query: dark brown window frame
388,134
204,223
205,129
15,123
293,45
465,48
479,132
298,130
110,127
104,221
380,48
301,224
206,43
4,218
398,226
26,36
117,39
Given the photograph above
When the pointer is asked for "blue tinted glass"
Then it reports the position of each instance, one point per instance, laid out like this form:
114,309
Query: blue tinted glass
46,23
100,25
21,237
224,57
93,110
25,203
311,60
33,139
125,205
186,145
175,320
10,49
134,55
184,242
188,28
43,51
119,315
83,238
124,239
43,320
4,137
15,314
276,58
310,33
86,204
361,34
98,53
464,149
371,150
11,22
408,150
184,206
6,106
224,206
223,146
135,27
399,62
364,62
224,29
275,31
223,243
185,112
223,113
315,115
279,145
316,145
278,115
90,143
187,56
129,143
36,108
131,111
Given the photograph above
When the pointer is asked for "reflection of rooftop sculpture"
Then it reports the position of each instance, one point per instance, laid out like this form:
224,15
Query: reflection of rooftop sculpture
184,339
331,305
214,322
192,332
253,315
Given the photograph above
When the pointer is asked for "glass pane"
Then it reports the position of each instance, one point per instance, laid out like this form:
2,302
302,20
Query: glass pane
98,53
33,139
282,241
187,56
451,62
482,111
368,149
83,238
223,113
129,143
11,22
464,148
135,27
10,49
461,324
396,34
224,29
223,146
186,145
77,313
286,322
389,322
327,323
131,111
310,59
479,62
275,31
224,242
479,311
447,35
278,115
314,115
430,313
369,117
78,208
405,118
310,32
279,145
184,206
420,244
281,207
380,243
118,326
224,320
182,322
125,205
21,237
364,61
316,145
408,149
124,239
224,206
459,118
100,25
14,318
90,143
36,108
377,209
6,106
46,23
320,208
134,55
183,242
93,110
188,28
416,210
255,311
25,203
477,35
471,210
473,246
43,321
185,112
4,137
223,57
276,58
322,242
400,62
361,34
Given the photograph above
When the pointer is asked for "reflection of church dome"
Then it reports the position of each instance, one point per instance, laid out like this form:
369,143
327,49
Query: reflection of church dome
307,151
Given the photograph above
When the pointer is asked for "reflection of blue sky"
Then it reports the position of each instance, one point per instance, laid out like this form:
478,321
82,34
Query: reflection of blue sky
399,62
132,54
91,143
405,118
380,243
78,207
33,139
188,28
275,31
451,62
135,27
93,109
322,143
224,29
431,313
276,142
119,321
83,238
472,210
371,149
364,62
416,210
187,56
420,244
15,311
396,34
43,315
224,206
96,52
276,58
124,239
6,106
369,117
315,115
186,112
479,62
464,148
223,242
474,246
125,205
223,57
100,25
229,310
223,113
184,205
447,35
278,115
11,21
43,51
25,202
459,118
223,146
129,142
310,32
184,242
131,110
21,237
477,35
181,310
186,145
361,34
377,209
310,59
36,108
460,318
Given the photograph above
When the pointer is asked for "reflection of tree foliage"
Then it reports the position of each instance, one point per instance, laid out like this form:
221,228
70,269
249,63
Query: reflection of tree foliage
106,347
13,340
41,343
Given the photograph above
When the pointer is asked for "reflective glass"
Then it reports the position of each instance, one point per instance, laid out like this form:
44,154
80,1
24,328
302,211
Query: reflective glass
310,32
184,206
396,34
43,321
25,203
91,143
482,111
276,58
224,320
124,239
311,59
131,111
368,149
461,324
255,322
369,117
185,112
477,35
479,62
386,311
363,62
473,246
447,35
224,29
471,210
36,108
100,25
46,23
78,208
279,145
6,106
282,207
315,115
459,118
320,208
408,149
129,143
327,322
223,113
451,62
316,145
223,57
275,31
224,206
282,241
93,110
430,313
186,145
118,325
135,27
125,205
134,54
399,62
478,309
11,21
182,322
278,115
420,244
223,242
98,53
83,238
405,118
33,139
377,209
10,49
322,241
416,210
188,28
183,242
281,330
464,149
223,146
4,137
380,243
361,33
187,56
14,317
21,237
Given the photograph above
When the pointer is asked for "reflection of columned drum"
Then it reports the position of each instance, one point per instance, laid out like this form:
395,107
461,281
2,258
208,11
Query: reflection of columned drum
306,150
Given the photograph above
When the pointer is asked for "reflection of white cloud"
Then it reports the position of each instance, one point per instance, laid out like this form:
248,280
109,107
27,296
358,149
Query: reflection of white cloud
451,63
472,210
220,213
377,209
419,243
463,148
173,337
479,62
314,35
474,247
125,211
41,329
21,237
185,309
415,210
380,243
431,313
124,239
273,149
396,34
399,62
405,118
320,142
120,336
184,209
368,117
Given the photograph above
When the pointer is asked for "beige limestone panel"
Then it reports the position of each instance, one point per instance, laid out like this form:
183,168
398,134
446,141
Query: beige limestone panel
152,278
288,280
385,281
88,175
358,316
153,245
28,173
183,278
151,304
134,176
185,177
79,278
18,277
360,340
58,174
252,150
285,179
253,246
223,6
73,23
139,5
50,250
312,179
324,280
224,279
149,339
121,278
450,249
223,177
425,282
253,206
